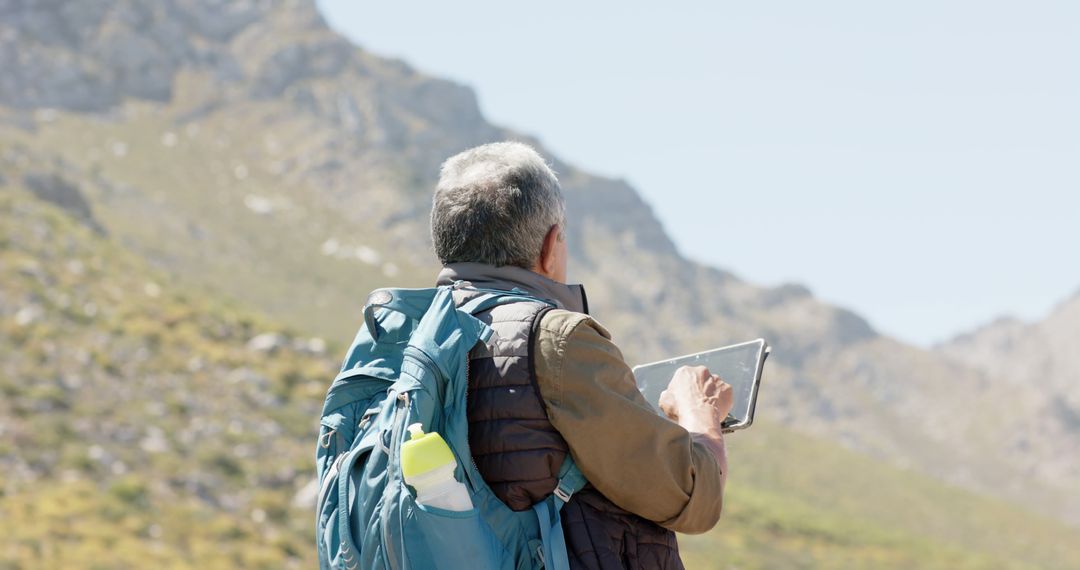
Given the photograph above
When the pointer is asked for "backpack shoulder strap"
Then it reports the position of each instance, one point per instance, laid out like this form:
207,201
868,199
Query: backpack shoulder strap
553,550
413,303
571,480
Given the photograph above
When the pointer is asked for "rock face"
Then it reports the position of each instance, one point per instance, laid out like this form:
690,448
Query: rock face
53,188
1022,353
1040,364
92,54
270,136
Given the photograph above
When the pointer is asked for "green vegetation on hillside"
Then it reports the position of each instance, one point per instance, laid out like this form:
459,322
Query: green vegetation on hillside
798,502
139,425
217,210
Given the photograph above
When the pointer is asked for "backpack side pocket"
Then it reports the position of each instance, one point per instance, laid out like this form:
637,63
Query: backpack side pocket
339,431
448,540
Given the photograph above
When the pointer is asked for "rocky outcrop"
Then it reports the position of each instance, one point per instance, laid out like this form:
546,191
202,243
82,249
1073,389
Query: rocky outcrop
90,55
1027,353
61,192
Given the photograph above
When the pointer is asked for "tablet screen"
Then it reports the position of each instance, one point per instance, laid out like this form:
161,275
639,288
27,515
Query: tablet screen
739,365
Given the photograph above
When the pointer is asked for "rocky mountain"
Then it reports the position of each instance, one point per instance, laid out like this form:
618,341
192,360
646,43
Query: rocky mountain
1039,363
1022,352
243,149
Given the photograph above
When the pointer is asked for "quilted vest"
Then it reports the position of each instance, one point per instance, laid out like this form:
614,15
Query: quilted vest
518,452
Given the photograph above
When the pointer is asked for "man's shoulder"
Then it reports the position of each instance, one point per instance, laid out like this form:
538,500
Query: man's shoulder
563,324
572,347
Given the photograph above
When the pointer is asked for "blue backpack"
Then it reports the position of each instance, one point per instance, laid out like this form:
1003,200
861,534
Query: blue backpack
409,363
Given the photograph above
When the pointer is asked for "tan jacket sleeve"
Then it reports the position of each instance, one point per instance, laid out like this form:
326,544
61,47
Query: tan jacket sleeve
641,461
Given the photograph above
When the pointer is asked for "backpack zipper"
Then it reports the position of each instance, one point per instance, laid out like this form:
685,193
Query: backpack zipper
429,363
395,449
472,459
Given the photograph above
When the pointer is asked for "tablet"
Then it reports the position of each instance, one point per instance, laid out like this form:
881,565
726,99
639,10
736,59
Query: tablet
740,365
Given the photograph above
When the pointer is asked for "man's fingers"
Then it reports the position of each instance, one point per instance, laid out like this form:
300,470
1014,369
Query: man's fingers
667,405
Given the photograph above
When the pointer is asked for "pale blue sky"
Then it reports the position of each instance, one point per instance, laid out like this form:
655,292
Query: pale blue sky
916,161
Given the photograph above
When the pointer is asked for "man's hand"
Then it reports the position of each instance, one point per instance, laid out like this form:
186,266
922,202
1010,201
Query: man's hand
699,401
695,397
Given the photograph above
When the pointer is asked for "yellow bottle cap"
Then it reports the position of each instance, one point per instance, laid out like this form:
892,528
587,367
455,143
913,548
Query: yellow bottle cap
424,452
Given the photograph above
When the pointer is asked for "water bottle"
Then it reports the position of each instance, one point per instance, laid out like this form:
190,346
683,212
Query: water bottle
428,466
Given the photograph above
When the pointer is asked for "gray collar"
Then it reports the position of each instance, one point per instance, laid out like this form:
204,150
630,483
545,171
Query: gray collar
569,297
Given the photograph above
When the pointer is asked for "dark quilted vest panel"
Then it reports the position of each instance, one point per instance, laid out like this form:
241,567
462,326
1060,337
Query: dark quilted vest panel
518,452
516,448
601,536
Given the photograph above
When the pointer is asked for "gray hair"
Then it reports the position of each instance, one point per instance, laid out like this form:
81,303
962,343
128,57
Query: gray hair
494,204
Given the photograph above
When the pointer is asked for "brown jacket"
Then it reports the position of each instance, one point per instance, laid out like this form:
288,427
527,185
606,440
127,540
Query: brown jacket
639,460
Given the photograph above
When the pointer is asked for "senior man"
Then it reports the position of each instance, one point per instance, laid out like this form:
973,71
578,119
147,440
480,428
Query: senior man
555,383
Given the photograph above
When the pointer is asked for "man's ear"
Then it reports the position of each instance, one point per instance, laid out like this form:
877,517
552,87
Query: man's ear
548,260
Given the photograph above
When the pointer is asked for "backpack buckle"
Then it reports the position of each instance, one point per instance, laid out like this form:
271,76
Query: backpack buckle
561,493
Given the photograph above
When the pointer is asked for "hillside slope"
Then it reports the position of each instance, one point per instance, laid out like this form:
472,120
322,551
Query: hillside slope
143,424
800,502
248,149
